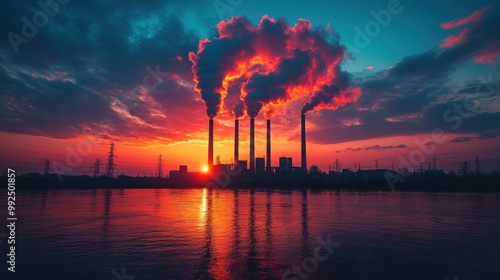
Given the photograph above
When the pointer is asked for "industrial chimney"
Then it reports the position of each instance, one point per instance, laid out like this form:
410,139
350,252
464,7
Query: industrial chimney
303,143
268,150
252,145
236,142
211,142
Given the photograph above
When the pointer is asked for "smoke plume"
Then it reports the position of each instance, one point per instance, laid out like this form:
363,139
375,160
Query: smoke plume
274,63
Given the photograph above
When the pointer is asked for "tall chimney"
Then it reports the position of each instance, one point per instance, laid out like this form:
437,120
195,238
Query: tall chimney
268,150
303,143
211,142
252,145
236,142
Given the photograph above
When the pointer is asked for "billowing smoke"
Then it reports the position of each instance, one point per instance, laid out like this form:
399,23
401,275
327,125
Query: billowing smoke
264,88
238,110
217,58
334,95
325,95
274,63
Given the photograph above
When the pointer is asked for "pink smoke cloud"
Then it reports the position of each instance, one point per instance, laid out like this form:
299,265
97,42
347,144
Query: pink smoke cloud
488,55
475,16
454,40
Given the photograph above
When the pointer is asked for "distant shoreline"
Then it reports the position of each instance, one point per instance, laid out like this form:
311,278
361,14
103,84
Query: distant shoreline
365,187
419,184
264,189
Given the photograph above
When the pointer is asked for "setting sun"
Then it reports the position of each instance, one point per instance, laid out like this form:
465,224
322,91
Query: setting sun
204,169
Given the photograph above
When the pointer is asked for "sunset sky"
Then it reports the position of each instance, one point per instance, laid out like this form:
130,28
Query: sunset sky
403,70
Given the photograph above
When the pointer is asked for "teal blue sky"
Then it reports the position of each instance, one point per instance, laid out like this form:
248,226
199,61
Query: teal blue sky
414,30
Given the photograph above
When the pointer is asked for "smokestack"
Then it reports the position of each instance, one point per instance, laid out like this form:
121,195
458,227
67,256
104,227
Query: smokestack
252,145
303,143
268,150
236,142
211,142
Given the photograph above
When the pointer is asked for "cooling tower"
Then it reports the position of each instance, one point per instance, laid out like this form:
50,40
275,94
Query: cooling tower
211,142
252,145
303,143
236,142
268,150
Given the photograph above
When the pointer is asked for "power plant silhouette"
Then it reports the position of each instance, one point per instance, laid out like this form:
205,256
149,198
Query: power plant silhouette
262,175
255,163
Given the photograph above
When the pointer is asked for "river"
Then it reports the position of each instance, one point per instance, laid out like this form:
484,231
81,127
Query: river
253,234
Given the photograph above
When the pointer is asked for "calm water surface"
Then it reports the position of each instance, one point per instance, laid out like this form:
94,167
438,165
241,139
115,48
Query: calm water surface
246,234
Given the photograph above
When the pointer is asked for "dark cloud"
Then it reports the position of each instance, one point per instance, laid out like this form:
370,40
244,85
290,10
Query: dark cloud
83,65
272,87
495,133
437,64
461,139
376,148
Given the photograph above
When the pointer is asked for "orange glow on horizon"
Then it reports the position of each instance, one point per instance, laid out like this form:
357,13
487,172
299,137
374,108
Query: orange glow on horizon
137,160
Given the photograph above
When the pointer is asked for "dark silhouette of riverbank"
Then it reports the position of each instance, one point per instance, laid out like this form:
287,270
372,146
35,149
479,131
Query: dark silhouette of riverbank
409,182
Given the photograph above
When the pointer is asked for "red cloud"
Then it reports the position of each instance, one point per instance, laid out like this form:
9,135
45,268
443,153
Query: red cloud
272,64
454,40
488,55
475,16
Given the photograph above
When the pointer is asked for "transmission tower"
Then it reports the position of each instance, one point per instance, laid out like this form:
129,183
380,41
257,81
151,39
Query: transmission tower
376,164
47,168
97,168
110,166
159,172
337,165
